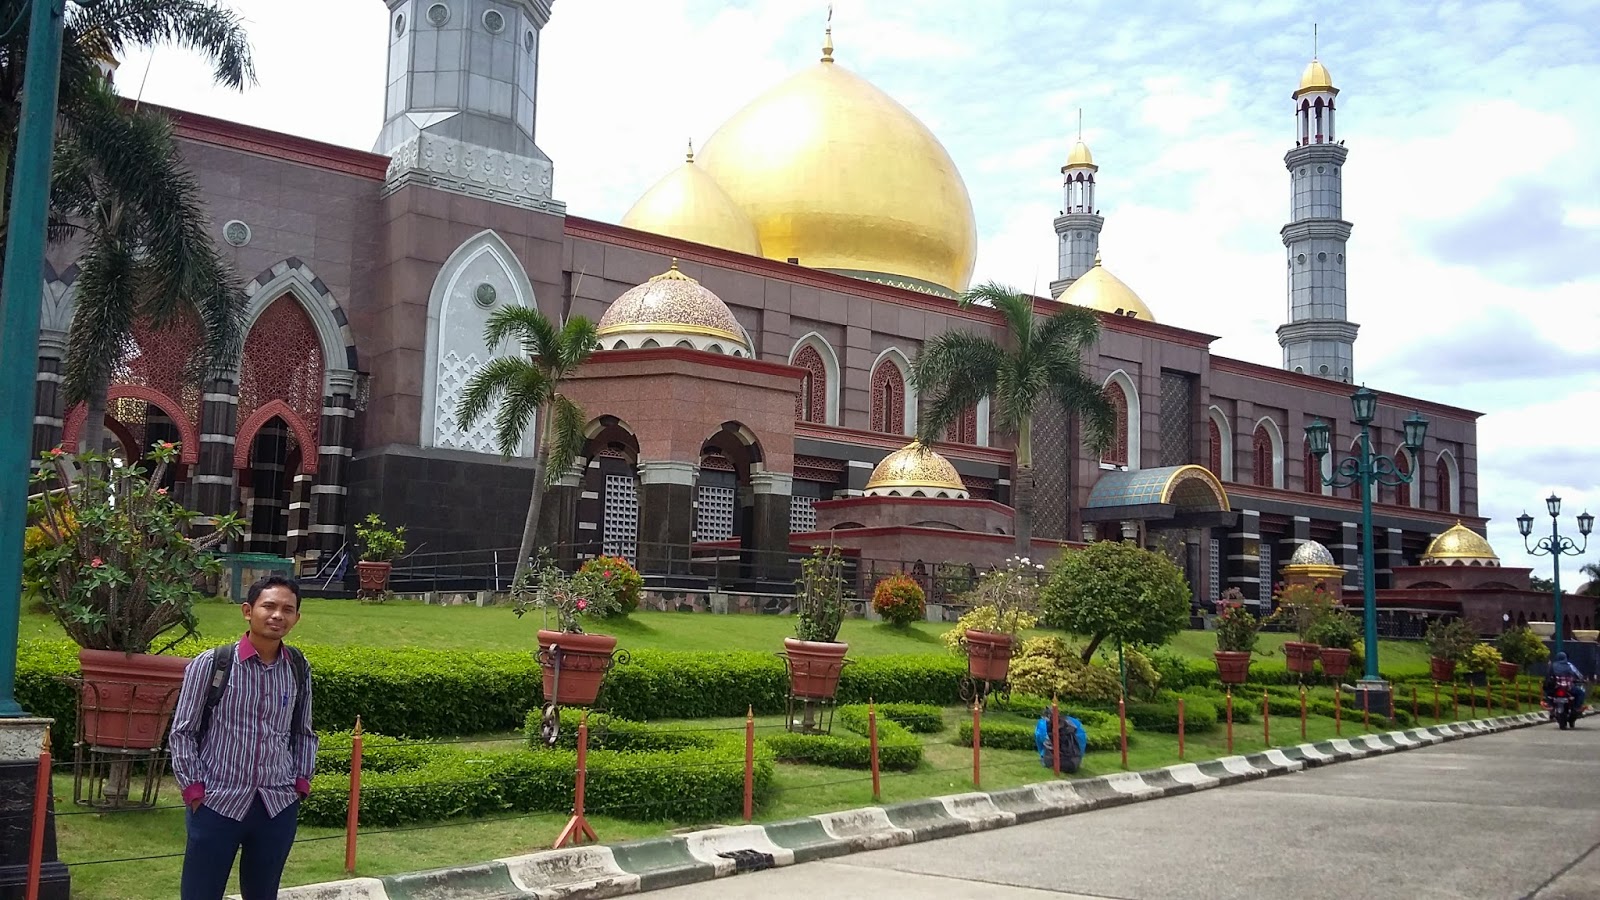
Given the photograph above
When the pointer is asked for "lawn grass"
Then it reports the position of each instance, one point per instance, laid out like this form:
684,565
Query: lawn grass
800,790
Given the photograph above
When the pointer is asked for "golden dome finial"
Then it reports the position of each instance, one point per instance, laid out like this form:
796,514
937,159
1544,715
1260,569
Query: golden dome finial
827,37
689,156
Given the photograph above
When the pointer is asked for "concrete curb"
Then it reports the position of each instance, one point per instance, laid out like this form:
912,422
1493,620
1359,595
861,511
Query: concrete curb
589,873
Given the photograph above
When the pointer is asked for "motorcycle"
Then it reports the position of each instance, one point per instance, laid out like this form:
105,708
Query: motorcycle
1563,702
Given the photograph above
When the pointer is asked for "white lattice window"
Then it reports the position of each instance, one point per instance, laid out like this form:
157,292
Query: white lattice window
1265,573
802,515
454,373
619,532
1215,549
713,519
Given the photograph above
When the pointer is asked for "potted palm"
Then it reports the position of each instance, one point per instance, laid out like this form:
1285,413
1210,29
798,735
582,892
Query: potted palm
815,655
1448,642
1301,606
115,564
1335,634
380,546
1003,604
573,663
1237,632
1520,647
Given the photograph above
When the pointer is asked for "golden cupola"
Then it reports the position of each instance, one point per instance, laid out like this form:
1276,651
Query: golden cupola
687,204
1460,546
1315,80
1099,289
672,310
836,175
1080,158
916,470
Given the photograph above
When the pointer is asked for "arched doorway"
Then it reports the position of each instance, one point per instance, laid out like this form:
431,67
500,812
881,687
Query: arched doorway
266,487
608,509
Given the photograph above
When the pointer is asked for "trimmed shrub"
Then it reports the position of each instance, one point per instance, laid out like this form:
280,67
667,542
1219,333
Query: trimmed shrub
899,600
850,749
919,718
608,732
1002,735
1102,729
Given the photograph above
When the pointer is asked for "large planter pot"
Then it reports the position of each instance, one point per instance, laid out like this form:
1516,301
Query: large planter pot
584,658
989,655
1335,661
1585,634
127,700
1300,657
374,576
814,667
1441,669
1508,669
1233,666
1543,629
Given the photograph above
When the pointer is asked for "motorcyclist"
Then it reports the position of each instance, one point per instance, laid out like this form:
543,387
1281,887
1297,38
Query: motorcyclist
1561,667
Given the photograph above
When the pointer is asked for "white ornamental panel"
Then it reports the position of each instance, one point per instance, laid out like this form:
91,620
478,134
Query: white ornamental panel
714,517
802,515
619,532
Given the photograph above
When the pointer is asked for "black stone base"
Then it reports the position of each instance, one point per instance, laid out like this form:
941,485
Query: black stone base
447,500
1379,697
16,831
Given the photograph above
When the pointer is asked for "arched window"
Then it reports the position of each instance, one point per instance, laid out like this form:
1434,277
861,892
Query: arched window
811,402
1117,453
1442,484
1402,464
1261,444
964,430
1214,460
1355,450
888,399
1313,472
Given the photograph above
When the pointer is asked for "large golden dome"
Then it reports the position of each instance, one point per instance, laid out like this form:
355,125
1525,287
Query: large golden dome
1101,290
916,470
1316,78
1460,546
672,309
687,204
836,174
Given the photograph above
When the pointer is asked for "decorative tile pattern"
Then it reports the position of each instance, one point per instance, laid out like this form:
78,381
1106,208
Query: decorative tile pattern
671,301
619,529
1051,472
802,515
888,399
1214,445
964,430
1214,558
1265,572
1261,445
282,360
713,519
1117,453
454,373
811,403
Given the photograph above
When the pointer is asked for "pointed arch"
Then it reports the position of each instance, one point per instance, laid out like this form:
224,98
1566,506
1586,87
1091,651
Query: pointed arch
292,276
1267,453
479,275
1447,482
1125,442
303,435
1407,493
188,433
1221,444
818,397
893,406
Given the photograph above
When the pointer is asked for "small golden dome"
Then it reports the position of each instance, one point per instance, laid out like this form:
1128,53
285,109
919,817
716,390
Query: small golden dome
687,204
1080,158
916,470
1101,290
672,309
1311,553
1316,78
1460,546
836,174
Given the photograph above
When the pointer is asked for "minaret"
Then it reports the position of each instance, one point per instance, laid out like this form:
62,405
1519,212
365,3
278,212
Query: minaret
459,111
1318,338
1078,226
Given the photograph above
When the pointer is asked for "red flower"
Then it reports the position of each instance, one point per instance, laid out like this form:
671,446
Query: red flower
161,490
167,445
608,574
56,451
96,563
582,605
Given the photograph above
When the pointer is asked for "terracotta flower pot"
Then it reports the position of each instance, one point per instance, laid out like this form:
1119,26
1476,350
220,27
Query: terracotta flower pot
814,667
1233,666
1508,669
1441,669
1335,661
127,699
585,658
989,655
1300,656
374,576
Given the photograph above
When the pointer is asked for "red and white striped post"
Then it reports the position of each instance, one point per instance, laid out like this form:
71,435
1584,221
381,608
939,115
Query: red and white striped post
41,810
352,816
749,763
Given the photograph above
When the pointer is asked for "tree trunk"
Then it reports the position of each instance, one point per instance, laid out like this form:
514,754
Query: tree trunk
1094,644
92,435
1022,495
530,528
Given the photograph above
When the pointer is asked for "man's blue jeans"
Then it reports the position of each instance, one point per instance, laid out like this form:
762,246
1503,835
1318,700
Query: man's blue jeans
214,839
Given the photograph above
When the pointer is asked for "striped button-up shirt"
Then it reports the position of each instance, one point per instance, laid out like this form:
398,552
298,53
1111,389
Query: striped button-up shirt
247,751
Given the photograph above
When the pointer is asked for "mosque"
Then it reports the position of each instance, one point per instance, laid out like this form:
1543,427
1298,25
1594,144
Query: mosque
758,308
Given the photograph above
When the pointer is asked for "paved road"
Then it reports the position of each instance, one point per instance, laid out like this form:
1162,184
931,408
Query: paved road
1513,815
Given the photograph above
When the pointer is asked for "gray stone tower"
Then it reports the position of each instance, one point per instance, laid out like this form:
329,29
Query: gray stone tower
1078,226
1318,339
459,111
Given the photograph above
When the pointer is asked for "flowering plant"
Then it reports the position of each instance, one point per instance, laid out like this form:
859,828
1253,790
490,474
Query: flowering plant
1004,601
899,600
625,582
113,559
1302,607
379,542
1521,646
1236,627
1481,658
545,586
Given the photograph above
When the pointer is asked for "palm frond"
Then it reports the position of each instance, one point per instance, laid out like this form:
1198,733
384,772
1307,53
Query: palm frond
495,379
578,340
952,372
563,436
518,405
1081,396
102,320
206,27
524,324
1013,305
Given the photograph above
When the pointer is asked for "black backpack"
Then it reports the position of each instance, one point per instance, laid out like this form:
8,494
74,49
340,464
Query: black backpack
222,670
1071,753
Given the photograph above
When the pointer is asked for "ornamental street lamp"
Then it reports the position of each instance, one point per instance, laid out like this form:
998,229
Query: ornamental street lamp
1368,470
1556,546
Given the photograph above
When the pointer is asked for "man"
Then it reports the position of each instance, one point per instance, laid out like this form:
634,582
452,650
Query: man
1562,667
243,750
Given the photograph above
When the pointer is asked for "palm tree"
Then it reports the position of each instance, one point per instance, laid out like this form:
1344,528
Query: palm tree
121,189
1592,587
528,386
1036,362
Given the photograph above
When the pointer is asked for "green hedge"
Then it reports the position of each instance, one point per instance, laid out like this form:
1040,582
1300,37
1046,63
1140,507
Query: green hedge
607,732
1102,729
848,747
920,718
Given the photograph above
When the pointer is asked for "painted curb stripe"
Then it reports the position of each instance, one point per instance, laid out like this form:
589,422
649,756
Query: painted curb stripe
589,871
927,819
491,879
808,840
659,863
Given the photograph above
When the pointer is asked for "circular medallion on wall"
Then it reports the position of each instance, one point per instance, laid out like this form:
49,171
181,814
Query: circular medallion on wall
399,24
1322,257
438,14
494,21
527,41
484,295
1301,259
236,233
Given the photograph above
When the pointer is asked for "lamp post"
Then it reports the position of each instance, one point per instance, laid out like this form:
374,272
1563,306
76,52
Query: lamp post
1556,546
1367,470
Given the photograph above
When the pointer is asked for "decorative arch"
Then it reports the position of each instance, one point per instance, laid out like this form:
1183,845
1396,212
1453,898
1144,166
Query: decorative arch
304,435
894,409
188,432
818,398
294,277
1267,453
282,361
459,306
1447,482
1406,494
1125,442
1221,444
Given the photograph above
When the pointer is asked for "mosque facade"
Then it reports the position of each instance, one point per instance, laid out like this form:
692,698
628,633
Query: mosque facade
759,309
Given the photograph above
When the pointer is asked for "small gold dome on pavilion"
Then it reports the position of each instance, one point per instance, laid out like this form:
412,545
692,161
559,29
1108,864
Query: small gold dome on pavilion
1316,78
1460,546
687,204
1311,553
1101,290
916,470
1080,158
672,309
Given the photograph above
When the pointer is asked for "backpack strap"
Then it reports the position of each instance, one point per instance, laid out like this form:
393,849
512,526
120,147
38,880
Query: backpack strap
221,669
302,683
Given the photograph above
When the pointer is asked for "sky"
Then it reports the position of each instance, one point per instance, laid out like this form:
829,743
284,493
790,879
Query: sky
1473,181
